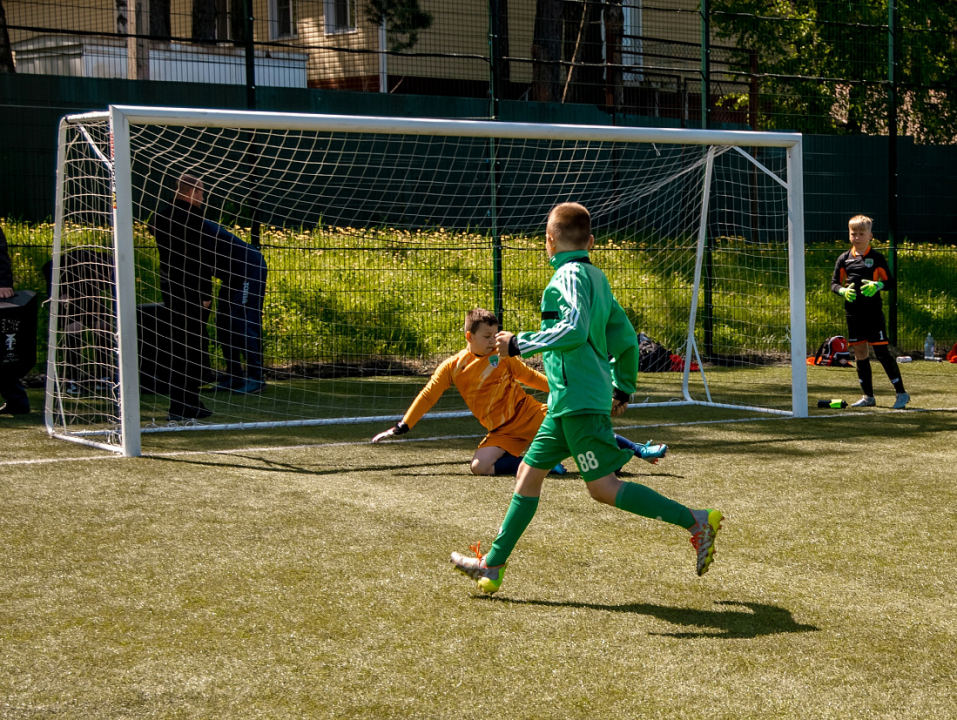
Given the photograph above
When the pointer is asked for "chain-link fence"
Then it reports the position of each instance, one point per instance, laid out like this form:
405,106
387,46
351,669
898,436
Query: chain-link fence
818,66
873,85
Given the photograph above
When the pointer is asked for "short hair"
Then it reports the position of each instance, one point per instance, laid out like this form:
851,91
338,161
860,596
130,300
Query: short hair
477,316
861,221
569,224
188,182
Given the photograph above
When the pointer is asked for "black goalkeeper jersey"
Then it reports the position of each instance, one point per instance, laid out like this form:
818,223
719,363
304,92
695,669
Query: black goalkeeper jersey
852,269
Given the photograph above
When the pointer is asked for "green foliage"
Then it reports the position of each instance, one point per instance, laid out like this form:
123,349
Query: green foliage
404,21
823,65
341,295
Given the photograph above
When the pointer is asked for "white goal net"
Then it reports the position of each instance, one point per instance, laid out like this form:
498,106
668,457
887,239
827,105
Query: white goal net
227,270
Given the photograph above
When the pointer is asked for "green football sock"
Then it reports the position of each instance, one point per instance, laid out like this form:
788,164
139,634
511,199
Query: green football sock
520,513
642,500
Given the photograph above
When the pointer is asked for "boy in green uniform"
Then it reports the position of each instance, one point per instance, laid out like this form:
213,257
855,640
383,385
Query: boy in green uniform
582,327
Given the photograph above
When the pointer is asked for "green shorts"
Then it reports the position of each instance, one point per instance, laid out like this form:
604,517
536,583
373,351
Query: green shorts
590,439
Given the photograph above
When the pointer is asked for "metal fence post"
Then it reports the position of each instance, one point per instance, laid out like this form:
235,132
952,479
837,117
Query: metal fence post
250,55
493,87
708,279
892,169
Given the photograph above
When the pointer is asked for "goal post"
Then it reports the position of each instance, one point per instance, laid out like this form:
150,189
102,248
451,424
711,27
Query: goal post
378,233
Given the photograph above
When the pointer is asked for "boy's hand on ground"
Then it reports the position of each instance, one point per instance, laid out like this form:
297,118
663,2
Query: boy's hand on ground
849,293
871,288
501,342
400,428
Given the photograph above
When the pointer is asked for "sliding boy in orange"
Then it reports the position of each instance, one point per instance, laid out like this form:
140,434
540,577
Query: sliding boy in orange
489,385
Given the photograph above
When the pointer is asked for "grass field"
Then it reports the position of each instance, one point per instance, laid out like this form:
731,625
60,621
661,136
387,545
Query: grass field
304,573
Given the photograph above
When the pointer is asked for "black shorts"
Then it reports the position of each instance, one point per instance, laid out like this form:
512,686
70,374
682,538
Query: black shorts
869,328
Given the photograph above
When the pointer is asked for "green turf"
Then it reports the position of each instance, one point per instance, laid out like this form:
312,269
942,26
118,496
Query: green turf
304,573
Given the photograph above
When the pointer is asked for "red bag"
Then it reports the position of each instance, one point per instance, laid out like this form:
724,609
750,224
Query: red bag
832,353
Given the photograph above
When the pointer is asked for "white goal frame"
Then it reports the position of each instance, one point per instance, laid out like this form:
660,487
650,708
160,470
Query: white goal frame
122,117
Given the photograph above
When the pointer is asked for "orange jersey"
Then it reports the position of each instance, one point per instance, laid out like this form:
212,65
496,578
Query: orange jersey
489,385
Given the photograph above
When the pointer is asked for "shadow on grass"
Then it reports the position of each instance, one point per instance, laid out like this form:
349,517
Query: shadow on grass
758,618
319,468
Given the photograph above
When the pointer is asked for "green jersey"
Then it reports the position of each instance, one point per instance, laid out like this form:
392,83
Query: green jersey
589,345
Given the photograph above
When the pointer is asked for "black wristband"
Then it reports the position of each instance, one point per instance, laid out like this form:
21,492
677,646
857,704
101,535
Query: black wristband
620,395
513,347
400,428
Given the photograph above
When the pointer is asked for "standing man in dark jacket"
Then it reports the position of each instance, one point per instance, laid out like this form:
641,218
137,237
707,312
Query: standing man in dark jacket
239,313
186,259
12,391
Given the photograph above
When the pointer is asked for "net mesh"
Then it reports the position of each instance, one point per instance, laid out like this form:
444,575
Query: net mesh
376,245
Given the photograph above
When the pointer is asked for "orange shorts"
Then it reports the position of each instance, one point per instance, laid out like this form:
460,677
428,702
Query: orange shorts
515,436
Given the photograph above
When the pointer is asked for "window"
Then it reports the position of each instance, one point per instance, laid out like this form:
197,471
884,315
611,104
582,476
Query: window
632,46
223,21
340,16
282,19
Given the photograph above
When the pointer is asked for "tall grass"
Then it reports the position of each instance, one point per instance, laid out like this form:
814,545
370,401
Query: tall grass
347,295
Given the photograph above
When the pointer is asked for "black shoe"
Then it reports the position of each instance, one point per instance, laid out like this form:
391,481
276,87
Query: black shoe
189,413
8,409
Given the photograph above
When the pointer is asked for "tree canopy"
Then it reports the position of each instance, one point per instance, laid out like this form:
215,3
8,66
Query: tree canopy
823,65
404,20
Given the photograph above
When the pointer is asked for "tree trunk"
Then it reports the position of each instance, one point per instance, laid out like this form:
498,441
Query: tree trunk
583,52
204,21
614,18
6,52
547,51
160,22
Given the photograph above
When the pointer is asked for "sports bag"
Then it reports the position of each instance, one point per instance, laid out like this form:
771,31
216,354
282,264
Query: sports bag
833,352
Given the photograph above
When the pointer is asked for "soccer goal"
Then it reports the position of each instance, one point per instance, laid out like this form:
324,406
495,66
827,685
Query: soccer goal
378,234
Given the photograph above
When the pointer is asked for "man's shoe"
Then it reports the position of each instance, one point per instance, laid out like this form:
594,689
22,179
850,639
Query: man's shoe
489,579
230,384
189,413
560,469
652,453
901,402
71,388
8,409
709,522
250,387
866,401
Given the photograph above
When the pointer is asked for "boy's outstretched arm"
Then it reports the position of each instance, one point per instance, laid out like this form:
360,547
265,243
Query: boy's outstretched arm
440,381
569,295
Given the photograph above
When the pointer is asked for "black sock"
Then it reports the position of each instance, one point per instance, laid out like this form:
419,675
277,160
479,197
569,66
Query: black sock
507,464
865,377
890,367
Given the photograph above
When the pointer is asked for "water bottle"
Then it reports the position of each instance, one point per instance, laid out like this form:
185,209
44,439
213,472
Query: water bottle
836,403
929,347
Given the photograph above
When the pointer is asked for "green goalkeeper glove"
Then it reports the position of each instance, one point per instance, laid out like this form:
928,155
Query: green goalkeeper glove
871,288
849,293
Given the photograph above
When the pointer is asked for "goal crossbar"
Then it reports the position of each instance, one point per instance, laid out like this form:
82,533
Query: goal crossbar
121,118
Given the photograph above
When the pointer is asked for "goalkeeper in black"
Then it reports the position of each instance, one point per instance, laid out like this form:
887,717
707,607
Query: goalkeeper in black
859,276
